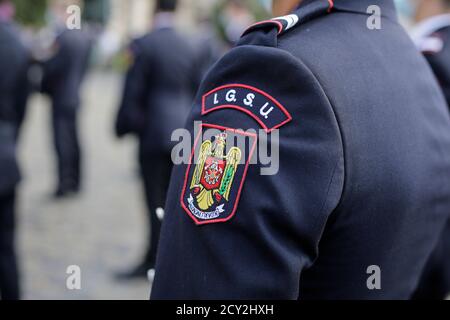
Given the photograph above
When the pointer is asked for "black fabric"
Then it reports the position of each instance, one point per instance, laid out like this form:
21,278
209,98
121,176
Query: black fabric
13,66
387,7
63,76
439,61
396,140
363,178
435,280
155,173
64,72
9,278
159,89
67,147
8,162
158,92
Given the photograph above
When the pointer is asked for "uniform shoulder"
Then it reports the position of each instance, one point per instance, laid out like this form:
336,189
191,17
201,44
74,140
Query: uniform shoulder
141,40
139,44
148,41
9,33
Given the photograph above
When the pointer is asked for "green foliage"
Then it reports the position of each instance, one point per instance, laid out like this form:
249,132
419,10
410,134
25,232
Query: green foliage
229,174
30,12
97,11
259,12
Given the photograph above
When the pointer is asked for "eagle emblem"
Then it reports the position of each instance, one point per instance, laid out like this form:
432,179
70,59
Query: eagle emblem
214,182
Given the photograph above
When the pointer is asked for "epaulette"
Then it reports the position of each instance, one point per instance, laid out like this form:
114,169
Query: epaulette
271,29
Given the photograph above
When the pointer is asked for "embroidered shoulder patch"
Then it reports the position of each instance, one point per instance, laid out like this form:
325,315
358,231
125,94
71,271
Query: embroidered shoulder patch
259,105
216,173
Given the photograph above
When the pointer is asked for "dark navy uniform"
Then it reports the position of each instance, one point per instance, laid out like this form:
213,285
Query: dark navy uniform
63,76
432,37
13,66
364,165
157,98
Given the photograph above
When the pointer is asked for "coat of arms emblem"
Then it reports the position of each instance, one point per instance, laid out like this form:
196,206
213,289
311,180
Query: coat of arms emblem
214,173
214,181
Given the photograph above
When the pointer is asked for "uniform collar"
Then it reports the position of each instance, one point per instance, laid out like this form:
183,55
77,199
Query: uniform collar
429,26
357,6
311,9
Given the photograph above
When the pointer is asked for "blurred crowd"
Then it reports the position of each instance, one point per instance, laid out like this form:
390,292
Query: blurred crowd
43,51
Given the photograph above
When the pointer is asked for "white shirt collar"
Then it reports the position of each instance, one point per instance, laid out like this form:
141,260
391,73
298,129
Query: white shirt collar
427,27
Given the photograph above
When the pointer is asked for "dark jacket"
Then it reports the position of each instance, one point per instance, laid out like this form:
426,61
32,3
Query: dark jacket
364,170
159,89
434,42
64,72
13,68
439,59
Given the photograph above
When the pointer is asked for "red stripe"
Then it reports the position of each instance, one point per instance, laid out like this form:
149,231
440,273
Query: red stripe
331,2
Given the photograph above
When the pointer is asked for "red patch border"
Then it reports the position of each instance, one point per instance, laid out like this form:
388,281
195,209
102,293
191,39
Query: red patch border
268,22
236,202
231,106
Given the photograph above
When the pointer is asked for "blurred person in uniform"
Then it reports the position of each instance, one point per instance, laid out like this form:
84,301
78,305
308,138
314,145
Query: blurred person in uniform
159,90
14,61
361,192
63,75
432,37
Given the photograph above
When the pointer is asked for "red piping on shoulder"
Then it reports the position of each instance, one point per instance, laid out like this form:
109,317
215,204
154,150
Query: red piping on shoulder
278,23
331,2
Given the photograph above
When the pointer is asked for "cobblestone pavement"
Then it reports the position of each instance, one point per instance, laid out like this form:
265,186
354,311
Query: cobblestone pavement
102,231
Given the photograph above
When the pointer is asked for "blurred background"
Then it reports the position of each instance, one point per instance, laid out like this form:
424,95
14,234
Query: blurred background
103,230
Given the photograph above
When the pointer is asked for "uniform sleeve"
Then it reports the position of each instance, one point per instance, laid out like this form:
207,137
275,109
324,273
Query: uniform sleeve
260,250
129,118
22,92
441,69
